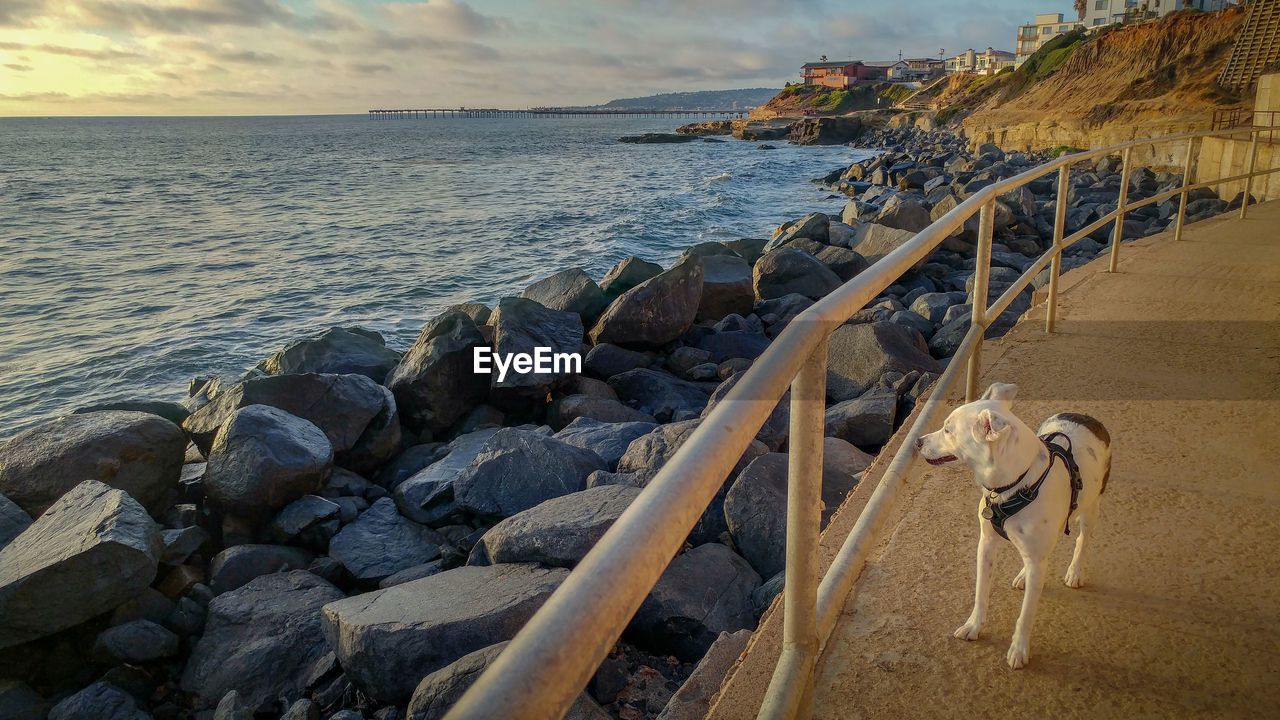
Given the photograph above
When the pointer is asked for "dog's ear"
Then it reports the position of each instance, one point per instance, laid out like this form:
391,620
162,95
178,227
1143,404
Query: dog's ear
1001,393
991,425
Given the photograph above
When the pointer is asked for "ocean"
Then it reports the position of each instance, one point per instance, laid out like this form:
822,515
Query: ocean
137,253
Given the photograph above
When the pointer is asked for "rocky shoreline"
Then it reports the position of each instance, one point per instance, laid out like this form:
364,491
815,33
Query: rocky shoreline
349,531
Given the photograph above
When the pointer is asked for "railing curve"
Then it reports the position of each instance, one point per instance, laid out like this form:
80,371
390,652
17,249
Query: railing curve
551,659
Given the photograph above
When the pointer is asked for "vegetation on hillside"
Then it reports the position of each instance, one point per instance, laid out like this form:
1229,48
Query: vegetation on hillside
819,100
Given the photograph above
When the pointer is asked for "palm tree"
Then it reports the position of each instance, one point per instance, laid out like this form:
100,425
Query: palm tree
1081,6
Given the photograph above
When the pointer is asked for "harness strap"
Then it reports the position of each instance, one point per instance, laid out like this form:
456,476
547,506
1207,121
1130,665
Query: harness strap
998,513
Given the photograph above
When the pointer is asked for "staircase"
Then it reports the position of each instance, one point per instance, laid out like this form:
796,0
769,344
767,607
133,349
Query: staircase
920,99
1257,46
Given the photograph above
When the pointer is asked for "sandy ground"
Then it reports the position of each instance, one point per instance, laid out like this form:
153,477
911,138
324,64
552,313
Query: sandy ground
1179,355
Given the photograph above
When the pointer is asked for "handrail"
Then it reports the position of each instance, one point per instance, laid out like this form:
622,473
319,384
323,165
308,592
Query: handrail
548,663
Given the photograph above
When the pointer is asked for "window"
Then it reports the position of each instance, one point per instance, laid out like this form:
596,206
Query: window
1063,28
1046,30
1098,21
1101,4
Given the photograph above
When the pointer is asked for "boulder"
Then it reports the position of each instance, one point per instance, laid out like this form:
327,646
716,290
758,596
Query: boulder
409,462
646,455
787,270
866,420
13,520
845,263
523,326
606,360
342,406
565,410
99,701
136,452
92,550
756,508
427,496
658,394
339,351
387,640
726,287
934,305
558,532
239,564
826,130
261,640
439,691
609,440
656,311
814,226
517,469
626,275
569,291
749,248
19,702
776,427
171,411
651,137
381,542
777,313
263,459
873,240
311,520
840,455
734,344
137,641
857,355
693,700
435,382
478,312
904,212
681,617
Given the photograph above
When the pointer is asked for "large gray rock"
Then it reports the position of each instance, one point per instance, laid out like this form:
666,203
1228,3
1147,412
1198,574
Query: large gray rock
904,212
756,508
570,291
427,496
136,641
658,394
656,311
439,691
522,326
565,410
776,427
13,520
558,532
873,240
857,355
518,469
646,455
934,305
340,351
680,616
606,360
626,275
99,701
845,263
92,550
866,420
387,640
435,383
693,700
136,452
260,640
342,406
609,440
19,702
237,565
726,287
787,270
381,542
263,459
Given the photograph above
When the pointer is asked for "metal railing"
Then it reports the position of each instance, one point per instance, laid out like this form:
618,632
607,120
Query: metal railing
549,662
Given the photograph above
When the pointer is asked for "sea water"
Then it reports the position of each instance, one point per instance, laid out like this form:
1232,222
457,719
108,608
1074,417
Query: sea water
136,253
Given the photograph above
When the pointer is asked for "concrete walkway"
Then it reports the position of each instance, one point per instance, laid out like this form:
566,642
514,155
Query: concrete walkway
1179,355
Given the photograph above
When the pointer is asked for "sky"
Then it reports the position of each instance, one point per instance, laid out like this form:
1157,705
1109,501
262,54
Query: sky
269,57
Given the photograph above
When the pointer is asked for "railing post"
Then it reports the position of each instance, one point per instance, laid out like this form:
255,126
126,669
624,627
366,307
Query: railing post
790,693
1120,205
978,300
1059,232
1248,182
1186,180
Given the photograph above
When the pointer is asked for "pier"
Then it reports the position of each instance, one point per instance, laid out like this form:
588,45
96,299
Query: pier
546,112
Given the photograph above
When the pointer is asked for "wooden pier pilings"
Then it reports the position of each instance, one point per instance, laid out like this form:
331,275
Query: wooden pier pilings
543,112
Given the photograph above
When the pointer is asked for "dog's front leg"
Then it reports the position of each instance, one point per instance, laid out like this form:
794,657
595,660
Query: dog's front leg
982,588
1020,648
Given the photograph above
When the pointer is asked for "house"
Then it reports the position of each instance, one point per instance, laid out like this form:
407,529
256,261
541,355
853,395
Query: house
987,62
1033,35
1106,12
893,70
841,74
924,68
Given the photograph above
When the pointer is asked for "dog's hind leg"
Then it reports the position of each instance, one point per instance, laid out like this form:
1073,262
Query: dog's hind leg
1020,649
1020,580
1088,520
982,588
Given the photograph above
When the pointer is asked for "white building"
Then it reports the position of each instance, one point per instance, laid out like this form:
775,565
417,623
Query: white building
988,62
1105,12
1033,35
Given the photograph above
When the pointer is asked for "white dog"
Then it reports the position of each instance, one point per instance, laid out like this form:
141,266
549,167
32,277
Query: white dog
1027,480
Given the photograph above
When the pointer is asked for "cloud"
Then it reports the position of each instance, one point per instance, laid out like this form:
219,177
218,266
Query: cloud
19,68
196,16
445,18
90,53
371,68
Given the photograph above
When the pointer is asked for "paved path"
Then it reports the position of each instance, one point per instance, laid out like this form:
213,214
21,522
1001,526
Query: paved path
1179,355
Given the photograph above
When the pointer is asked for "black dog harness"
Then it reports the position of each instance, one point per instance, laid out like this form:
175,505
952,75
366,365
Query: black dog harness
998,513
